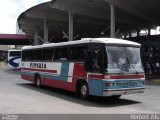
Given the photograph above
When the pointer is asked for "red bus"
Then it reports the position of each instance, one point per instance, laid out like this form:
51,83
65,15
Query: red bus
91,66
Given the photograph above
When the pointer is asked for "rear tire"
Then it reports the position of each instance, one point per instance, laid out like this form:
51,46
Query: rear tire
38,81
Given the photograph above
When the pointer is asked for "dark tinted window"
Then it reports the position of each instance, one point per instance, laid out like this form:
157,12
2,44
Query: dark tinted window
38,54
57,53
77,52
48,54
61,54
15,53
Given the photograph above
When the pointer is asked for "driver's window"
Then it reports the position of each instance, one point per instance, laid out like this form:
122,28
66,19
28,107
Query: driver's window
89,61
94,60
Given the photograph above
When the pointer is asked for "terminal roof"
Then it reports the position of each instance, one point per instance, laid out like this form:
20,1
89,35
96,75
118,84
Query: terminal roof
91,16
14,39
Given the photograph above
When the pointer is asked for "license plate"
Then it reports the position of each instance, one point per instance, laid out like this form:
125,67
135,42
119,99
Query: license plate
128,85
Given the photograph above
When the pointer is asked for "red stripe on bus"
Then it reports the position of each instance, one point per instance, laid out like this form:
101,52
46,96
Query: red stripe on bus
52,83
40,70
126,76
94,76
58,84
29,78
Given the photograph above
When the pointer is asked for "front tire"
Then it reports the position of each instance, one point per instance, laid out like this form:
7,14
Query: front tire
84,92
38,81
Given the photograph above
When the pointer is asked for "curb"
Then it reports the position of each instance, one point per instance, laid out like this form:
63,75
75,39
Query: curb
156,81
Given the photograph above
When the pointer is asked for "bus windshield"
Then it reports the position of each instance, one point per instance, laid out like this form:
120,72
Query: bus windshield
123,60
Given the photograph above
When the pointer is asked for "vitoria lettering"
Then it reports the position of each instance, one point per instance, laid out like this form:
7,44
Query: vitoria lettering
38,65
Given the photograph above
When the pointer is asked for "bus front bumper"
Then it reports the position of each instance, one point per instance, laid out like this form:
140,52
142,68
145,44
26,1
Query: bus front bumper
113,92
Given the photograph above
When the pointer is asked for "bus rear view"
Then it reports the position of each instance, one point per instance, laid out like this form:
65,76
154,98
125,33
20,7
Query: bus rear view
14,58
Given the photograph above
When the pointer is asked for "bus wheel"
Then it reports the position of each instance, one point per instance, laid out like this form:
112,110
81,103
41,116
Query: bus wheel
84,91
38,81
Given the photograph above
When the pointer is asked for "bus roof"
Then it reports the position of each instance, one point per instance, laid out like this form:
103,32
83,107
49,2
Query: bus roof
14,50
86,40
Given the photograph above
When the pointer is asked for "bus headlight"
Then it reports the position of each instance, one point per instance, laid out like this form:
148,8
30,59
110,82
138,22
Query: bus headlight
140,83
108,84
111,84
143,82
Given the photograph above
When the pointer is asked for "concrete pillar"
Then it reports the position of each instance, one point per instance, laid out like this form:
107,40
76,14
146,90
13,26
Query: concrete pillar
45,30
149,31
36,42
125,35
138,33
112,19
130,34
71,23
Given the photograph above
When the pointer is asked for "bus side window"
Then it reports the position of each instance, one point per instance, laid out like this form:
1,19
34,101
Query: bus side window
24,56
56,54
50,52
61,54
45,54
53,54
39,55
32,54
105,60
77,53
27,57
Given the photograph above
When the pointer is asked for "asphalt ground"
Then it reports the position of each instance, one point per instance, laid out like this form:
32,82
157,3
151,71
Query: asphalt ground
18,96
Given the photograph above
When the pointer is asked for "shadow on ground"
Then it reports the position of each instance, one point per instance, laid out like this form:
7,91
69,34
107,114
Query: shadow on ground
13,71
68,96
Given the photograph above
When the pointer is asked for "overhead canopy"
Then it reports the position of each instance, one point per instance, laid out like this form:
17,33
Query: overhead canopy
91,17
14,39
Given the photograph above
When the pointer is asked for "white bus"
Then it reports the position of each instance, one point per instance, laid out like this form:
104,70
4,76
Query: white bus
91,66
14,58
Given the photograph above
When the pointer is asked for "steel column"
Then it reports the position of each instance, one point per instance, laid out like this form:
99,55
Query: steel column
149,31
138,33
36,42
112,20
71,22
45,30
130,34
